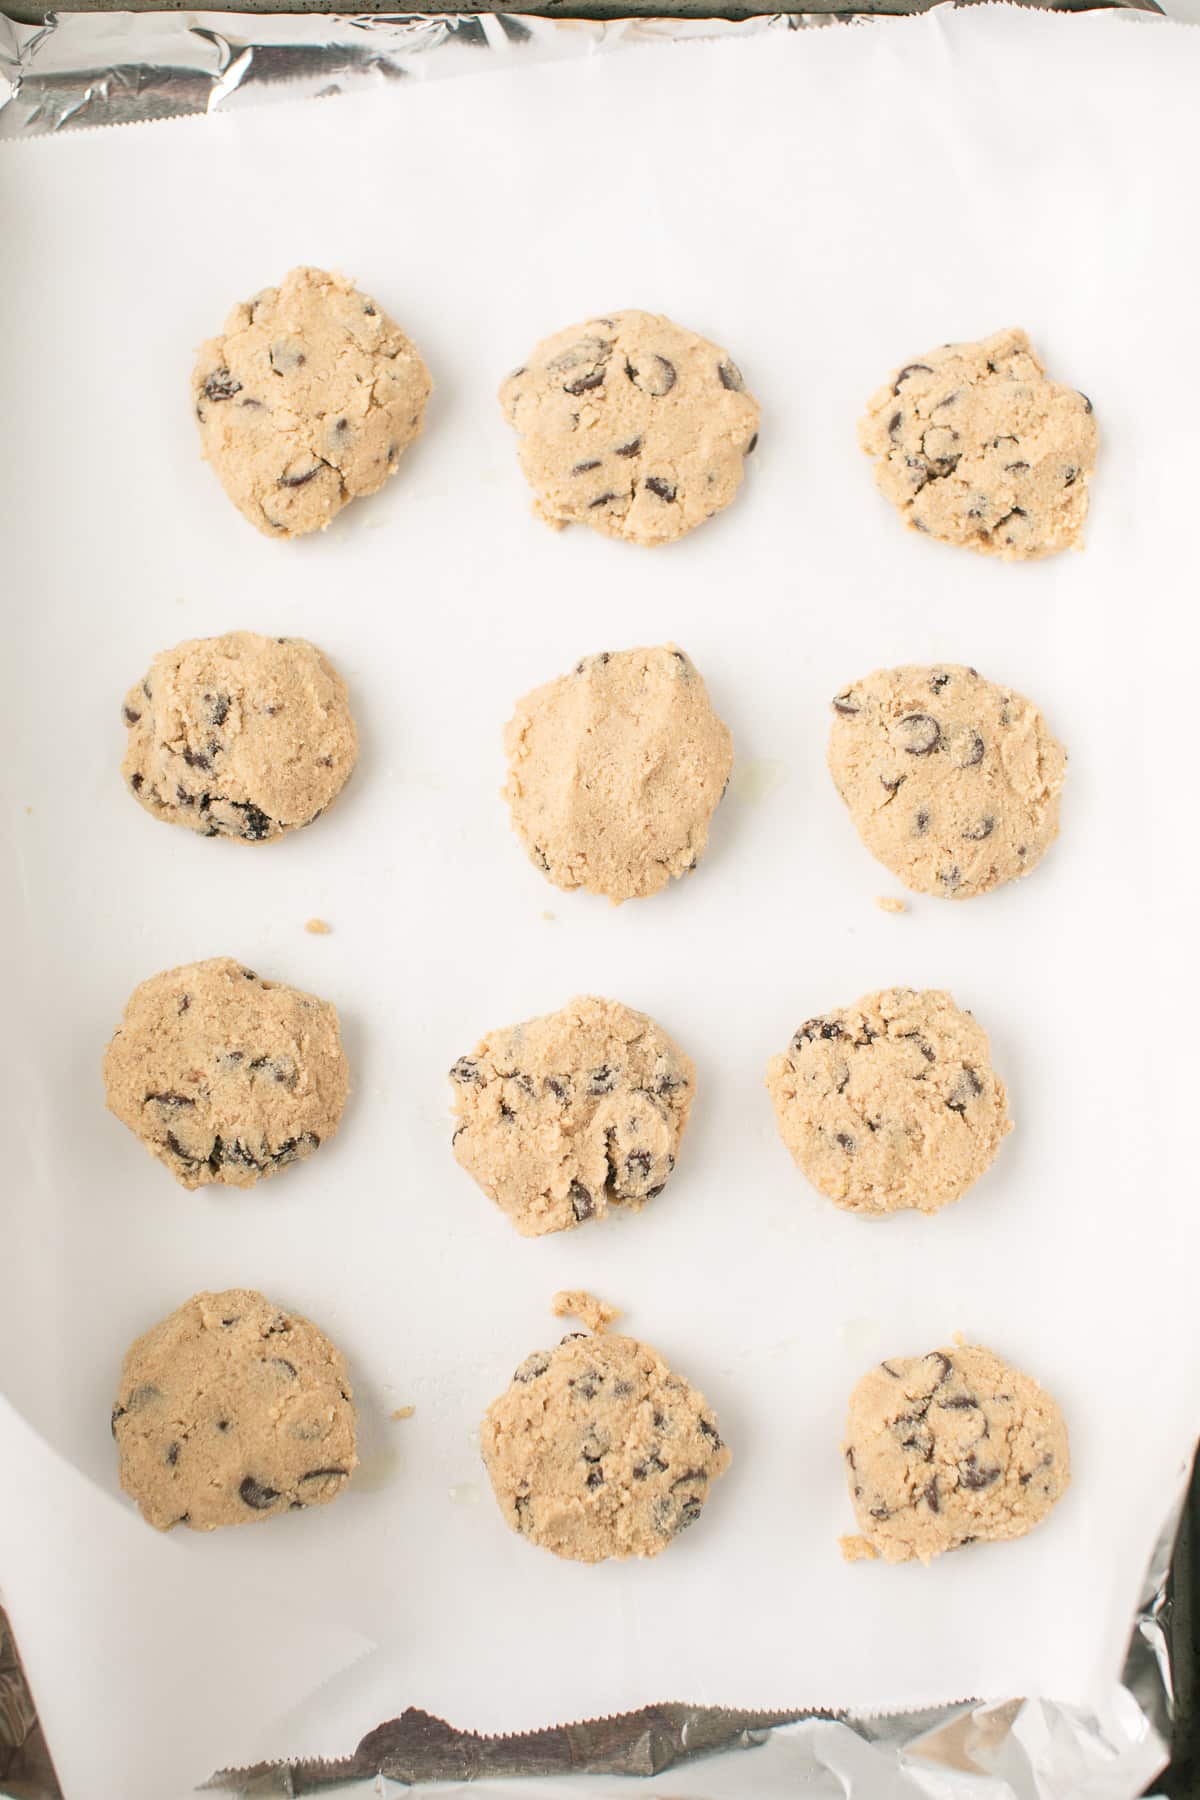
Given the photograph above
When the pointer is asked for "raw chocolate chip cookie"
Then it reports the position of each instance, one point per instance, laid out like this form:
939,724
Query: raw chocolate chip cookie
615,771
947,1449
891,1103
223,1076
561,1117
952,781
973,445
308,399
631,425
598,1450
239,736
232,1411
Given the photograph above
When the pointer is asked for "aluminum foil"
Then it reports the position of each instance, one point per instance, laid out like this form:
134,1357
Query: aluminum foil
85,70
80,70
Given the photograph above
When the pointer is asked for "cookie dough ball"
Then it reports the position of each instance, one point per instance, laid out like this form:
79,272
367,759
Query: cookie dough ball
631,425
952,781
975,446
615,771
598,1450
308,399
239,736
232,1411
948,1449
891,1104
223,1076
564,1116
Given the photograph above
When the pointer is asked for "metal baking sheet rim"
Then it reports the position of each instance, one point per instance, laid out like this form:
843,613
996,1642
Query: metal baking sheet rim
89,70
83,70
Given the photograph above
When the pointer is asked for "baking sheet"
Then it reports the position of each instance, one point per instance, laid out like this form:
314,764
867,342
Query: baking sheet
887,202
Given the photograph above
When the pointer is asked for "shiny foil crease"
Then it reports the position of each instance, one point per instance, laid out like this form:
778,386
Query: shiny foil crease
86,70
81,70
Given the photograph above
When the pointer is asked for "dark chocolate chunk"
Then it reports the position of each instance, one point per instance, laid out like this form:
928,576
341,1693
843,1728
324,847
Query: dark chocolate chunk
221,385
983,830
532,1367
305,475
171,1455
656,379
731,376
131,717
601,500
658,486
582,1204
603,1080
921,734
629,449
842,703
910,369
257,1495
968,1087
582,468
972,1476
466,1070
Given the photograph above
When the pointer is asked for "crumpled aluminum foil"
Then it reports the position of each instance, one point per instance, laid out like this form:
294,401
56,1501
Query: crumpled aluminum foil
80,70
85,70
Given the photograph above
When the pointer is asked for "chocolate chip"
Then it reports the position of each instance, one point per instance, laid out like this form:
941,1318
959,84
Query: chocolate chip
921,822
944,1365
131,717
968,1087
894,1373
653,1465
894,424
255,825
842,703
921,734
938,681
960,1403
1015,468
295,481
323,1474
289,1368
629,449
195,759
967,748
910,369
603,1080
583,467
846,1141
582,1204
285,357
170,1100
950,877
221,385
602,500
256,1495
972,1476
595,1478
135,782
656,485
656,379
171,1455
710,1431
731,376
466,1071
532,1367
1087,405
636,1169
983,830
1070,477
931,1495
560,1087
218,708
177,1150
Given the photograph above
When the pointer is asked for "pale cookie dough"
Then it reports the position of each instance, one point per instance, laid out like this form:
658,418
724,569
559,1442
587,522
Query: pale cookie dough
891,1104
308,399
631,425
559,1118
223,1076
239,736
974,445
948,1449
598,1450
231,1411
952,781
615,771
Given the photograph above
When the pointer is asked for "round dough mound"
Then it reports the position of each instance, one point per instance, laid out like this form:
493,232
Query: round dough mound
946,1449
952,781
563,1116
231,1411
223,1076
631,425
308,399
973,445
239,736
615,771
598,1450
891,1104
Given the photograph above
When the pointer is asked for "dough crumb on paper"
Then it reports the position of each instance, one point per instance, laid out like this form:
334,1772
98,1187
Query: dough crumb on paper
318,927
856,1549
404,1412
577,1303
890,903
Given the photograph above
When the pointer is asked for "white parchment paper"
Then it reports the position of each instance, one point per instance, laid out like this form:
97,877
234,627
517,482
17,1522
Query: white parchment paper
825,205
